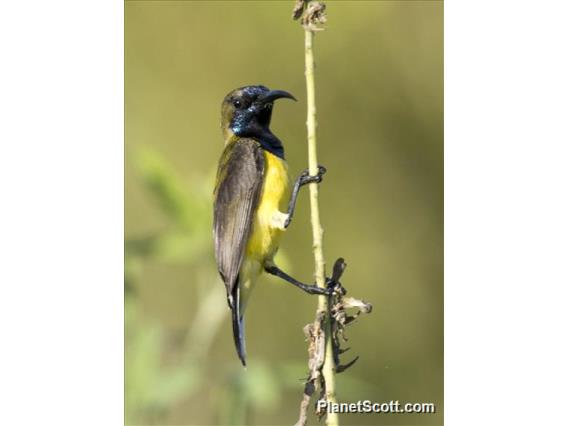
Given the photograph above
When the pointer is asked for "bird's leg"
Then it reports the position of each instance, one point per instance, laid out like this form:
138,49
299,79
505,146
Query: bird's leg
302,180
308,288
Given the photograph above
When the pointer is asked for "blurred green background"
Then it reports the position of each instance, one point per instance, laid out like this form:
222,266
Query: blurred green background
379,82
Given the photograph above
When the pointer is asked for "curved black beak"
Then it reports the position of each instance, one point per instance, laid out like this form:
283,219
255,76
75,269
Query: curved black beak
272,95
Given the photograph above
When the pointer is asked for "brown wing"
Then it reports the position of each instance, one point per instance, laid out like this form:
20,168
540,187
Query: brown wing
239,182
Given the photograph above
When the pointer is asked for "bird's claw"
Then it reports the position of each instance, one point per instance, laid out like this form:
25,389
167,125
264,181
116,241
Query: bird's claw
307,178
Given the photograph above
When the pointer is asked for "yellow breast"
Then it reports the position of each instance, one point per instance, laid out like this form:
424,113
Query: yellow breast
263,242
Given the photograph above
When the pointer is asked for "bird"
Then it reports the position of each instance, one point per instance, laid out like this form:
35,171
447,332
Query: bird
252,188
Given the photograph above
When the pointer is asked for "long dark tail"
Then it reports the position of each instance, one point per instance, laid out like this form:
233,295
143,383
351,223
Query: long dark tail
238,325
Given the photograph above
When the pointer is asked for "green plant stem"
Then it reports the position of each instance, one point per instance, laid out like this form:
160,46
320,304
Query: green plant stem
328,370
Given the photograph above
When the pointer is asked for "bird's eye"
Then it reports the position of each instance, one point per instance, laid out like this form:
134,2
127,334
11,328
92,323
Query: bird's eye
237,103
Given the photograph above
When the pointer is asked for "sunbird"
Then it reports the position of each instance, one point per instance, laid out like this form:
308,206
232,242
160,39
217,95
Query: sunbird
251,188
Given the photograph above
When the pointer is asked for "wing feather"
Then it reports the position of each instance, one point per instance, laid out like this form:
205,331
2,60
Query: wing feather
239,182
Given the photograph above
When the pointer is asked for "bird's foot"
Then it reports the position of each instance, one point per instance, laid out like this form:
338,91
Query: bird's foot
306,178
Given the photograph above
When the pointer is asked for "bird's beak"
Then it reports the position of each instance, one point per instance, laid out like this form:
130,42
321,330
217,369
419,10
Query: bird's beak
275,94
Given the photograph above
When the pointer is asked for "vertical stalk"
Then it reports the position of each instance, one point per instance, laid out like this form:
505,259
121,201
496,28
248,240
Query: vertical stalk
328,370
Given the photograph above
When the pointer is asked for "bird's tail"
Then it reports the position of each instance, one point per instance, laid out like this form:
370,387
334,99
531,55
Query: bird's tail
238,325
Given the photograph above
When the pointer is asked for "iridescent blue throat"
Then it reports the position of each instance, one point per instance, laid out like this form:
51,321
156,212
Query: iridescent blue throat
264,136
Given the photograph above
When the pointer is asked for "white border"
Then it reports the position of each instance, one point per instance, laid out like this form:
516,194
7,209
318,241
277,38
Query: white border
61,214
506,193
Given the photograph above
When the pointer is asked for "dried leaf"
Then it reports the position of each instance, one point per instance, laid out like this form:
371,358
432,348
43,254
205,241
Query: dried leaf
314,15
298,9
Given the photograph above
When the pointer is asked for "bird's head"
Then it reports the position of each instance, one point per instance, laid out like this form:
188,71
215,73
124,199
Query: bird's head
246,111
